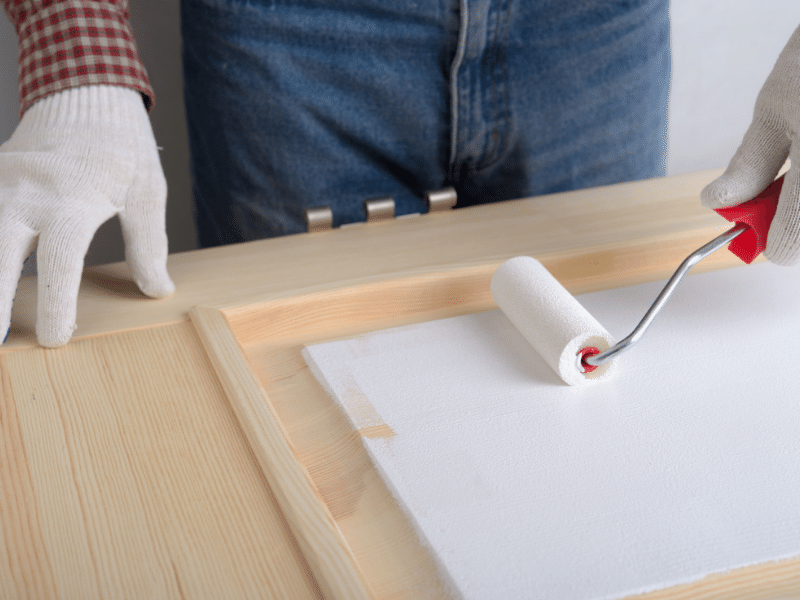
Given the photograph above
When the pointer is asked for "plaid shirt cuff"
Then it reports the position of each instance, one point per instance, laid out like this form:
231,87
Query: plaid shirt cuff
69,43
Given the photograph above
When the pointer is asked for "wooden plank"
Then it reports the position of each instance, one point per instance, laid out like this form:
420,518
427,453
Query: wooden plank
389,553
615,217
357,497
125,475
314,528
780,579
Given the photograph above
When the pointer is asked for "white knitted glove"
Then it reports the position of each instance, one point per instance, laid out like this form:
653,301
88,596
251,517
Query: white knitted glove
76,159
773,135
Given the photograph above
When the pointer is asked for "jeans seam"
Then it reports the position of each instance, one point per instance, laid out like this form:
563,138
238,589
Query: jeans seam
454,75
499,87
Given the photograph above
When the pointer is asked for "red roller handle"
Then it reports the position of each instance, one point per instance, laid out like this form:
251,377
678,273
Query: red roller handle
757,214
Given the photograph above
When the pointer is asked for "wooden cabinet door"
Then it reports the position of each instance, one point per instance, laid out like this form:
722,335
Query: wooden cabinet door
180,448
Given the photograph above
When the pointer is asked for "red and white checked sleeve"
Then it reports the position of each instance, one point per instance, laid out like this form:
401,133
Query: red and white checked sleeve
69,43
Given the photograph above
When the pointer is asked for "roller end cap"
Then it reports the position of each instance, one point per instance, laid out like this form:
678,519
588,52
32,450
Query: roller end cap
583,354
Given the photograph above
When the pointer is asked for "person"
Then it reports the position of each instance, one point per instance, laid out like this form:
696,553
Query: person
292,105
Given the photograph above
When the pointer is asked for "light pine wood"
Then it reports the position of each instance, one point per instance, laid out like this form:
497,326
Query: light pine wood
758,582
606,225
393,559
313,526
127,474
273,336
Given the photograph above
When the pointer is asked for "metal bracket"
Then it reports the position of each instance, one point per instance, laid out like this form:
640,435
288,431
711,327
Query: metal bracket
440,200
379,209
319,218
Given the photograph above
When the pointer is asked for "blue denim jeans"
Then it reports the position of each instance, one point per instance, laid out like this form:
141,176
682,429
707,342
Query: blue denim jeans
301,103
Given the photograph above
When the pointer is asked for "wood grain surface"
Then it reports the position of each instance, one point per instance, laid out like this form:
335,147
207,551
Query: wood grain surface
596,233
385,545
314,529
126,473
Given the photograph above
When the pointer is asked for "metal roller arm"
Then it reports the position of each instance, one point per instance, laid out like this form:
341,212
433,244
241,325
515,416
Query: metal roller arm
690,261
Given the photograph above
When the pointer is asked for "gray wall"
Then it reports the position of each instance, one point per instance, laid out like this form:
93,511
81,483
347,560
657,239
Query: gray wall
722,52
156,24
9,98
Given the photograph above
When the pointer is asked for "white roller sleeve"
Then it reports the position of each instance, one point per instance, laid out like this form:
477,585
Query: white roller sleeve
552,321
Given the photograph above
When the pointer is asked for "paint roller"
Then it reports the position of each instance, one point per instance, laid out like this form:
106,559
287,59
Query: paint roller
568,337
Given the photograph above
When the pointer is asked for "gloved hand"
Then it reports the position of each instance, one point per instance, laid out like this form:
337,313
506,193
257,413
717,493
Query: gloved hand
76,159
773,135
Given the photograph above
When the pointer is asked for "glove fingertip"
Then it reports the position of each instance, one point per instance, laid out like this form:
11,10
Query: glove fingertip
714,195
731,189
155,284
160,290
55,335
